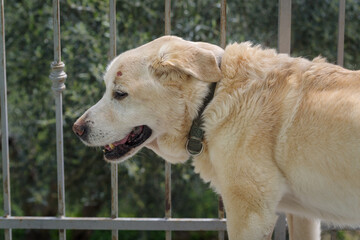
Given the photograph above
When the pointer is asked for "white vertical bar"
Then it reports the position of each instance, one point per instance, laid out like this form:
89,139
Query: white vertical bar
223,24
168,196
56,25
284,46
333,235
280,228
112,16
341,33
114,166
114,197
167,17
4,126
168,165
221,212
284,26
58,77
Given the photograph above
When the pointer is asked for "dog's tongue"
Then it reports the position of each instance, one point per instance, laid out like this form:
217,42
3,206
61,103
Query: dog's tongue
136,131
117,143
122,141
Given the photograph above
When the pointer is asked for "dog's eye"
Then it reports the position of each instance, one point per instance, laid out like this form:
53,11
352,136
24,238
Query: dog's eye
119,95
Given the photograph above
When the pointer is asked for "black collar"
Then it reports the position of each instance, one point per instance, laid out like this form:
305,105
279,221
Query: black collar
194,144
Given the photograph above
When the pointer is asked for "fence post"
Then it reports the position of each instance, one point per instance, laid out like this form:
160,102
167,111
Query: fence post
221,212
58,77
223,24
340,59
284,26
167,164
284,46
114,166
280,228
4,126
341,33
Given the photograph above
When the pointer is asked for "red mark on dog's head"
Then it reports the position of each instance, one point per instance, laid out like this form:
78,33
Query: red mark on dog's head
119,74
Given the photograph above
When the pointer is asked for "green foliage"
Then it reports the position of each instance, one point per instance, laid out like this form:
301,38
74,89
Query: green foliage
254,21
85,46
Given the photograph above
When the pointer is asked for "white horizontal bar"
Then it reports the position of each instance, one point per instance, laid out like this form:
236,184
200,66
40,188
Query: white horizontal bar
145,224
96,223
325,227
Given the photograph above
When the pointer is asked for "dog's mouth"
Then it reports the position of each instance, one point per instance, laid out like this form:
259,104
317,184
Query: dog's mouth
135,138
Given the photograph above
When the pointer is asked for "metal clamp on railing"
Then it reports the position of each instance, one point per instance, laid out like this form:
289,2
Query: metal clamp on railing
58,76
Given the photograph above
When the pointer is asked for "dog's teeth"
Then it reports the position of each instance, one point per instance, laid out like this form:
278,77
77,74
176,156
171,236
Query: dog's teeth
112,146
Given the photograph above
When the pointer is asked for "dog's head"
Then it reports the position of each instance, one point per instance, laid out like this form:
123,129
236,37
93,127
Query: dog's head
152,94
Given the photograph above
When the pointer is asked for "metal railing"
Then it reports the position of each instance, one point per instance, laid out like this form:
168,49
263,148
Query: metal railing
114,223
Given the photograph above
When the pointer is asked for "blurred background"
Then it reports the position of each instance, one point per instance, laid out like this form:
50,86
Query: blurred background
85,47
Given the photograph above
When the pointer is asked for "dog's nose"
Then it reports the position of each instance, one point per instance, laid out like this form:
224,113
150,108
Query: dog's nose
79,129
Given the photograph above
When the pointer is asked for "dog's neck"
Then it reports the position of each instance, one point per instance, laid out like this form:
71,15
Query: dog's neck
194,144
174,146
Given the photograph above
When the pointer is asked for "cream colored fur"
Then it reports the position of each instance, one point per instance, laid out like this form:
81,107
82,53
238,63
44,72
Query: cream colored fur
281,134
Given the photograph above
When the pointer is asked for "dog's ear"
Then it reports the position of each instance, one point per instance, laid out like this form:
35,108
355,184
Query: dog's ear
191,59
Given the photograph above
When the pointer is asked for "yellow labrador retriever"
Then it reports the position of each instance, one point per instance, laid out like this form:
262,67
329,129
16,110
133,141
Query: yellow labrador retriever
281,133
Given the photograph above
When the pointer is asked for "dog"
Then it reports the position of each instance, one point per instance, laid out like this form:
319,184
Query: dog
281,133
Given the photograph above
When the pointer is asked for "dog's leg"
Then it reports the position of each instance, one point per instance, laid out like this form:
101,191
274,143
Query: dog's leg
251,186
303,228
249,217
